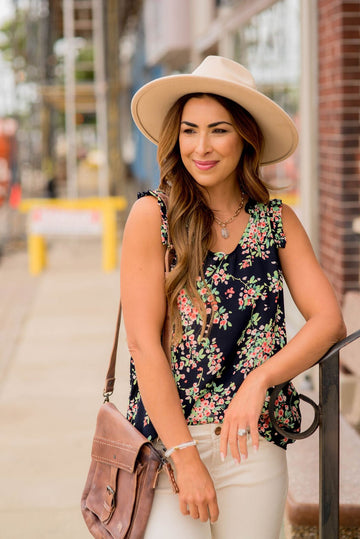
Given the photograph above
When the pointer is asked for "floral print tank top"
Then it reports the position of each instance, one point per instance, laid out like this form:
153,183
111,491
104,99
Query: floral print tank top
246,289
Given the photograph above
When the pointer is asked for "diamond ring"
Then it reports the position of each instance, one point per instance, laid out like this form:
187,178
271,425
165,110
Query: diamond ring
241,432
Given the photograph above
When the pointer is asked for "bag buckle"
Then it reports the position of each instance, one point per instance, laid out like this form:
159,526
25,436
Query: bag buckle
107,395
110,490
109,505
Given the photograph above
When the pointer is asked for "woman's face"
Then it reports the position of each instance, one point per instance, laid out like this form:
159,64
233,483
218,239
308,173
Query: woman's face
210,146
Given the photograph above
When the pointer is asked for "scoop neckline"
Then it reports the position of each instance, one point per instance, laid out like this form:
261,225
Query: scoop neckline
243,237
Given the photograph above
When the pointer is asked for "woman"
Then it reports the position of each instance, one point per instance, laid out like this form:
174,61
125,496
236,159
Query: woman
206,403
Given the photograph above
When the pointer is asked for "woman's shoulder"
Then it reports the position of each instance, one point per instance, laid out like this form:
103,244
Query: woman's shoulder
291,221
149,212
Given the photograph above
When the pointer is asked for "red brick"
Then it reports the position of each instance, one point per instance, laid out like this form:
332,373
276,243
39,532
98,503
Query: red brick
339,138
350,48
351,7
352,32
351,19
351,61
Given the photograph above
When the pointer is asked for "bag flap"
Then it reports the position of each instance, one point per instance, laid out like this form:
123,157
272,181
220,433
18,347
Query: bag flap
116,442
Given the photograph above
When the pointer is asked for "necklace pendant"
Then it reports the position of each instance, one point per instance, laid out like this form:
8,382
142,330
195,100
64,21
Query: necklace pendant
224,232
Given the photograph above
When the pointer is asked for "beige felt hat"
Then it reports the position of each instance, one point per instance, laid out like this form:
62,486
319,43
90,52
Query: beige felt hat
217,75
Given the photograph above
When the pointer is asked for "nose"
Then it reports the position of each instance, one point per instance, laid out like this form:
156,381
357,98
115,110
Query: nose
203,144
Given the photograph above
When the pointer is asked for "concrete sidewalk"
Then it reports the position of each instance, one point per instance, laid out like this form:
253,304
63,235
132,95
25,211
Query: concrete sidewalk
59,333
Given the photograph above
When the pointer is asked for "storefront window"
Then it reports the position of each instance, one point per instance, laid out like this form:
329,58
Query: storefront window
269,45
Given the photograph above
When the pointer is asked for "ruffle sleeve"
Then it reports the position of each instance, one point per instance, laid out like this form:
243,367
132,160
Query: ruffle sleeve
276,223
163,212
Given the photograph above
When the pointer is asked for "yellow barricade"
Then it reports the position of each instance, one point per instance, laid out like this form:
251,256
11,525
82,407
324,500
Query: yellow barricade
59,210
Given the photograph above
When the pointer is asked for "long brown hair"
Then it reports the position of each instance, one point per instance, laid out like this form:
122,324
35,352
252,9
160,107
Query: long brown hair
189,217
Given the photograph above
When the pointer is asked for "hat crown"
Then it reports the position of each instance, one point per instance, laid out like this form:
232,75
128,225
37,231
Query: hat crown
225,69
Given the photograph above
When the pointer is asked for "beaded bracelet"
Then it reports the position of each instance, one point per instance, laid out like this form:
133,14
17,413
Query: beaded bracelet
180,446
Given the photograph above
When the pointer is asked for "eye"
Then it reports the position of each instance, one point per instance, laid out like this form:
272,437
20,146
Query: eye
188,130
219,130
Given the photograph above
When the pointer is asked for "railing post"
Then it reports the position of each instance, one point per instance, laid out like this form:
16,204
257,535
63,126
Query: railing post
329,447
327,417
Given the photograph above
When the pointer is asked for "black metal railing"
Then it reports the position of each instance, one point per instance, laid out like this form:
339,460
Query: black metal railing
326,417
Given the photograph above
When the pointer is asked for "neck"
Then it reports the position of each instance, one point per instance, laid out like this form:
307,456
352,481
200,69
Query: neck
224,202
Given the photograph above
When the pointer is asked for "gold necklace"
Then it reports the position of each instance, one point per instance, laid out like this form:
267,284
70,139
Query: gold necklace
224,231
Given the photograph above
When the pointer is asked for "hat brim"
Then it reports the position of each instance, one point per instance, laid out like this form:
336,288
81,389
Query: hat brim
152,102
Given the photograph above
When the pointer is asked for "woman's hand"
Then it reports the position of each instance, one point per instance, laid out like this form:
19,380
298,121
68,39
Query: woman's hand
197,496
243,414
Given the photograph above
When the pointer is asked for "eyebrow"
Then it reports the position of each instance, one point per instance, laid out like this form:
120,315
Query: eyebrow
190,124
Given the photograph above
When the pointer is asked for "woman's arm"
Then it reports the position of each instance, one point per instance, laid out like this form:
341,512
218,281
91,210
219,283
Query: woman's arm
144,308
324,326
315,299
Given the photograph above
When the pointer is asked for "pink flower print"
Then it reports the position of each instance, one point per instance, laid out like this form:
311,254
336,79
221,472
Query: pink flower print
224,320
222,275
216,279
230,292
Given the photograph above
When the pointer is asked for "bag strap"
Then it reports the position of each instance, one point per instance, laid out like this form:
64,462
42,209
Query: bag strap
110,375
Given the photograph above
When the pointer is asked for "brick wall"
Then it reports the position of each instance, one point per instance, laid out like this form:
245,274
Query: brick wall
339,140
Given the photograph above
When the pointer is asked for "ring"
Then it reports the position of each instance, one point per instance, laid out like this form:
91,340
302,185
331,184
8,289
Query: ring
241,432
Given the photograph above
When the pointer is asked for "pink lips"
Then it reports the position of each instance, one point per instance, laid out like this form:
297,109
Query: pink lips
205,165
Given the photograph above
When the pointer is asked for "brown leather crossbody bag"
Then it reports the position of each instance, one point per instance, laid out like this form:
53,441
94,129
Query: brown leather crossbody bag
120,486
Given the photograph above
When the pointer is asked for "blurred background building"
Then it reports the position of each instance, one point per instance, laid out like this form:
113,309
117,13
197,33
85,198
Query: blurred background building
66,128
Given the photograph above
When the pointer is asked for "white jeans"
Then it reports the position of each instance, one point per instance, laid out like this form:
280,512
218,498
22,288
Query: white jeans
251,496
